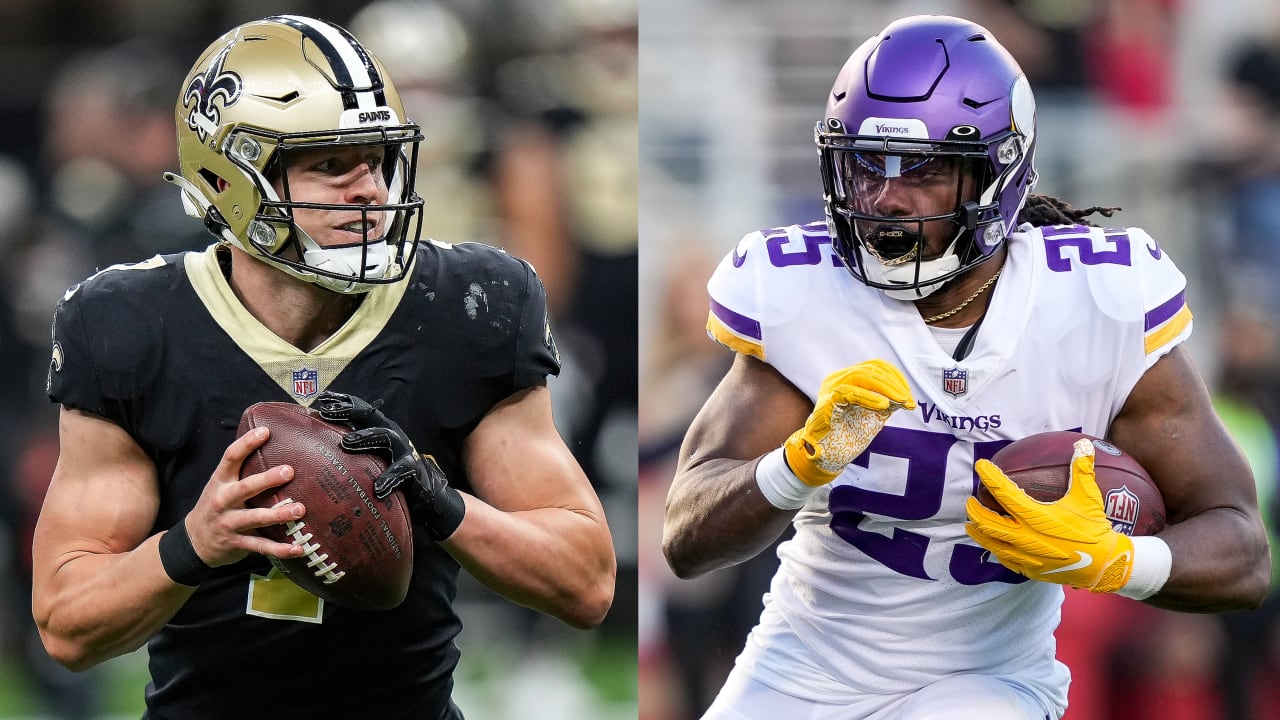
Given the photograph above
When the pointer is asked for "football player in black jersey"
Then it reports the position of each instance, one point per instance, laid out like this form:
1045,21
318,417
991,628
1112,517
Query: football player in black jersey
296,154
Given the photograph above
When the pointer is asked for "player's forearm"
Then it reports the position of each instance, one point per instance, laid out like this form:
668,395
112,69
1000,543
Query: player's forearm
717,517
555,560
94,607
1213,570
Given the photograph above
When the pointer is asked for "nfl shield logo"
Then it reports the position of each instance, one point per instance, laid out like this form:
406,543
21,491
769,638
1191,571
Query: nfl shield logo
1121,506
306,382
955,381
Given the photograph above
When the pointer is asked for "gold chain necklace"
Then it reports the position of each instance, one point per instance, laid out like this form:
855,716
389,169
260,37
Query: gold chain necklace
963,305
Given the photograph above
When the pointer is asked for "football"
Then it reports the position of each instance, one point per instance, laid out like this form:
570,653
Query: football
1041,465
359,549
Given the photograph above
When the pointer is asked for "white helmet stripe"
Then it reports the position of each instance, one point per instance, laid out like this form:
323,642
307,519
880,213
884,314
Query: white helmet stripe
350,64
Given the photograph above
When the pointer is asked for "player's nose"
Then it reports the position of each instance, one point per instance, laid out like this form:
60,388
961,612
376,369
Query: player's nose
365,186
893,199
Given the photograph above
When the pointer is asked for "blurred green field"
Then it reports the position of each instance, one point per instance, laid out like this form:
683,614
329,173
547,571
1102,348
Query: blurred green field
594,678
119,682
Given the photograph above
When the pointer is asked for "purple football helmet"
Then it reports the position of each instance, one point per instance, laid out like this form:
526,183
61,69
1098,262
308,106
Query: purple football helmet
926,96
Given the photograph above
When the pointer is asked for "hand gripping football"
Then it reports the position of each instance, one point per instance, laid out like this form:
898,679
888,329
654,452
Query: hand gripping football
1040,464
359,549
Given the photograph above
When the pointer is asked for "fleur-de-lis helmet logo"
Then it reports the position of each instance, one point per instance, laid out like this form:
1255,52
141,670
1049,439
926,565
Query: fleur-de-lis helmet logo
214,84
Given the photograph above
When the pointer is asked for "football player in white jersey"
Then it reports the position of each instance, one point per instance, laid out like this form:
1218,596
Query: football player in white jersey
940,312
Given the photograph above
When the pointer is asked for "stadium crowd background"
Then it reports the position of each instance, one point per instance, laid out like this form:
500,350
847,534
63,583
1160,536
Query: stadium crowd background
529,109
1169,109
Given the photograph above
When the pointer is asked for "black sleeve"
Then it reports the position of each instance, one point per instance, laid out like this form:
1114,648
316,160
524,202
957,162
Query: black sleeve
536,352
107,352
73,374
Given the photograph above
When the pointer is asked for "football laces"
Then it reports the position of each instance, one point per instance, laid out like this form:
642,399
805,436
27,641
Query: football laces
318,562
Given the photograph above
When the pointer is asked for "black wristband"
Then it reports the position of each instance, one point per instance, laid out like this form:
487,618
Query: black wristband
447,509
179,558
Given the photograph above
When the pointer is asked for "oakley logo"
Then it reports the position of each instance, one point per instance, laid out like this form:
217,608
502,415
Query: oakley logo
213,85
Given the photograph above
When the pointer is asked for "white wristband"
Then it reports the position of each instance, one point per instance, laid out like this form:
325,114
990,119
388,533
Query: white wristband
1152,561
781,487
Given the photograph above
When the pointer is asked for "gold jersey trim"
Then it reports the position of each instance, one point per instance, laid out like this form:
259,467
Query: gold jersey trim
1174,327
724,335
274,355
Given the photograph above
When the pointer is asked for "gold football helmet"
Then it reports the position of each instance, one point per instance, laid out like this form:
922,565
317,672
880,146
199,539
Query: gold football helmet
279,85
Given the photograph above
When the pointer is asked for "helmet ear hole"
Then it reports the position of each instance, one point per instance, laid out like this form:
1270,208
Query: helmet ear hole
214,180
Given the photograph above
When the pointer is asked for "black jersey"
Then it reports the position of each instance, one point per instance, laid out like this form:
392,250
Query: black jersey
163,349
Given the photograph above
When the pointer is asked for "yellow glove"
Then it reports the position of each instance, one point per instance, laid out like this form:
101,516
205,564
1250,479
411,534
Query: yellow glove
1068,541
853,405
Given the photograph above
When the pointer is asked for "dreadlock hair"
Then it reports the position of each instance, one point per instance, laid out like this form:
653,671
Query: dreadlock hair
1042,210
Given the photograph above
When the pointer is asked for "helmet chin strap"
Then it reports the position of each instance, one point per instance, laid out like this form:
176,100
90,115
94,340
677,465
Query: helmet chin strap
340,260
345,261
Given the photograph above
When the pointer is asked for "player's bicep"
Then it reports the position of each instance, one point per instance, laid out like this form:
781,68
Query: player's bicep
1168,424
751,411
103,496
516,460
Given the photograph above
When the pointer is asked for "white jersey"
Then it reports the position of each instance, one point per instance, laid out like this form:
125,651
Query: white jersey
881,591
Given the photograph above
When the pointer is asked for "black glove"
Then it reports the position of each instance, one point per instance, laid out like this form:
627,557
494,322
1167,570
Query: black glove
436,506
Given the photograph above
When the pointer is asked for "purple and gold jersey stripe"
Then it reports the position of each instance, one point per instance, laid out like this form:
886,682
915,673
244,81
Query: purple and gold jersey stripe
1167,321
1165,310
736,332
